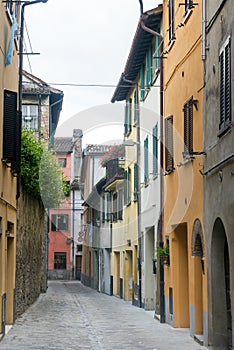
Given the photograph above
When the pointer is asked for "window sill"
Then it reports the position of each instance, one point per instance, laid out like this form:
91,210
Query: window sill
224,129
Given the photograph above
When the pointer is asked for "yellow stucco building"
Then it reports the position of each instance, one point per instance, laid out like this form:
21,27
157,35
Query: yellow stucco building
9,159
185,276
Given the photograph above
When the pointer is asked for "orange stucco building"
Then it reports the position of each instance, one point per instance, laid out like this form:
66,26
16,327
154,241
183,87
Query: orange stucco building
185,276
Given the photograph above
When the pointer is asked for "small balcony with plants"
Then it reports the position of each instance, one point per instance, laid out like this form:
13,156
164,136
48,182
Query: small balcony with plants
113,161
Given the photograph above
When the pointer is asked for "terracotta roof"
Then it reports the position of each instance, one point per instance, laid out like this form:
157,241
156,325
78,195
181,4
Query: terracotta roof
63,144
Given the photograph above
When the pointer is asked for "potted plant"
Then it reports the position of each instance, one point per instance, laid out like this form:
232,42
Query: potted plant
163,253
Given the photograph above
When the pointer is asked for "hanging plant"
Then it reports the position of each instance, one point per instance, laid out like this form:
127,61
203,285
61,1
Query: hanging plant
117,151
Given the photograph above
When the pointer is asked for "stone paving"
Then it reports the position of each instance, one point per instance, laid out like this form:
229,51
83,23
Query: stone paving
71,316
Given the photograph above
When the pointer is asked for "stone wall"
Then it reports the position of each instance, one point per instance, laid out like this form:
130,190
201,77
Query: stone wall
30,252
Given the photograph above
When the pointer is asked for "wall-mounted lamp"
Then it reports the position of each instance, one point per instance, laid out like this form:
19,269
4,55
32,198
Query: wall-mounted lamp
129,243
130,142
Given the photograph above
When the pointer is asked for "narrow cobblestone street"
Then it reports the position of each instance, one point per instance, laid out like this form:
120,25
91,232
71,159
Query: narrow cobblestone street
70,316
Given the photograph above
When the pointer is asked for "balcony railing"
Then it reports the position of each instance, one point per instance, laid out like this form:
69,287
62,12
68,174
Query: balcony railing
114,170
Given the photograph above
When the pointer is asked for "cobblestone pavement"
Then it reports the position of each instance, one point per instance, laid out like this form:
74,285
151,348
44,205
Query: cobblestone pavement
71,317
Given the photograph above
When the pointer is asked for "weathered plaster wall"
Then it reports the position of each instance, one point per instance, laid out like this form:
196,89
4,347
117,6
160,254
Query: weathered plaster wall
30,252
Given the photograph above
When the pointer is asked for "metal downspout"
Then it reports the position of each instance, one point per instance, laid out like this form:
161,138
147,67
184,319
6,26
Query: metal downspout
162,301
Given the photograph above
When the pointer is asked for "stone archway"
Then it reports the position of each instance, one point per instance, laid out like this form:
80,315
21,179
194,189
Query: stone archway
220,288
197,313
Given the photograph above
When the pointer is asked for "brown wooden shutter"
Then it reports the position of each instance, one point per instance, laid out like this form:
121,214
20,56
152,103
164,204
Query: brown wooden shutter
169,144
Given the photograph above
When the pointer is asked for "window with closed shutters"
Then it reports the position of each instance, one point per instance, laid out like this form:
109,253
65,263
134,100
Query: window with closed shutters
171,29
225,84
188,127
155,150
10,126
146,161
169,149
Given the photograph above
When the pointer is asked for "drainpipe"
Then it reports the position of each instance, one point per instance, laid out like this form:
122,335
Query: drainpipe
203,30
161,220
138,145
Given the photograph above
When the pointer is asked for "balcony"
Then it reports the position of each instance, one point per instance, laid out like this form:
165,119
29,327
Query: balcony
114,170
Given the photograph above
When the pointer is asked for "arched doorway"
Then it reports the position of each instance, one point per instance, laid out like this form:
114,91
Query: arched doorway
198,261
220,288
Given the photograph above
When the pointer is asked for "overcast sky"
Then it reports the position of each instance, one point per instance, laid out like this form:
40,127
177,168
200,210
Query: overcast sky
81,42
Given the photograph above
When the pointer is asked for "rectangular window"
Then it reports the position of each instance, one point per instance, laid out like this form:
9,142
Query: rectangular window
128,117
157,51
62,162
9,126
136,182
59,222
149,66
169,150
30,117
108,206
115,206
120,205
225,84
155,150
146,161
142,82
171,29
136,107
127,186
188,127
60,261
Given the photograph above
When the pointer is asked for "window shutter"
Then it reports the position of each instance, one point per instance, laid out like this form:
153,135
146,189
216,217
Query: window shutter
188,126
228,82
9,126
136,107
149,67
136,183
155,150
225,85
126,120
15,164
142,82
125,186
146,161
222,94
157,50
130,116
169,144
129,186
108,214
120,205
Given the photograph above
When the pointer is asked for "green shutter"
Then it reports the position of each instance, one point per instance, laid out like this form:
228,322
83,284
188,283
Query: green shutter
108,214
157,51
146,161
135,182
129,186
126,120
155,150
149,65
125,186
142,82
130,116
